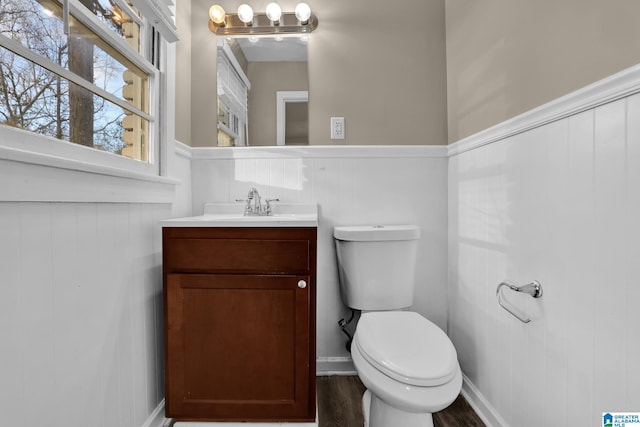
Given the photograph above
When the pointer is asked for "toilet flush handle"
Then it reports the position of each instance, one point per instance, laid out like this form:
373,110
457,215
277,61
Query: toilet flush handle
302,284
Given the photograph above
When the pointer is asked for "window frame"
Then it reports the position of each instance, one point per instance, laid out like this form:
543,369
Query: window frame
29,147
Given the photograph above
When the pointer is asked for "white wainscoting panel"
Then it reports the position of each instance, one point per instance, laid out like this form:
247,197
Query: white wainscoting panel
368,185
559,204
81,313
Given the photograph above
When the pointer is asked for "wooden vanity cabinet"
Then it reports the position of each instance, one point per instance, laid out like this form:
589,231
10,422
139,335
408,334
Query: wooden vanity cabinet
240,312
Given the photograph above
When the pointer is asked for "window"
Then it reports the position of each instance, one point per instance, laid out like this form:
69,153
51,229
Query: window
95,85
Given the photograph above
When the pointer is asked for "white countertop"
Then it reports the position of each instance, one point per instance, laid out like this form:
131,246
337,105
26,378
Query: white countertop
232,215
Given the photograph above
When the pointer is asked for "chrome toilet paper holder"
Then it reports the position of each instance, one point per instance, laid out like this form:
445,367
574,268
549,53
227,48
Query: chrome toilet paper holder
534,289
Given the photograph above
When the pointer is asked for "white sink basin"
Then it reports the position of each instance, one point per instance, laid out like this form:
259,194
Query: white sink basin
231,215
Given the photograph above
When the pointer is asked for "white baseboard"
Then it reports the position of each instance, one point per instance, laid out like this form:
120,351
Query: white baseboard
326,366
156,419
483,408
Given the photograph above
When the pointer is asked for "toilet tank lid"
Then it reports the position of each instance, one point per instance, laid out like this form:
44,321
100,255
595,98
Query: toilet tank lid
374,233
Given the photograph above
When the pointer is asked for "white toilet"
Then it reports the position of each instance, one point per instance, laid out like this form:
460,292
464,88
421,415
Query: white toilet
407,363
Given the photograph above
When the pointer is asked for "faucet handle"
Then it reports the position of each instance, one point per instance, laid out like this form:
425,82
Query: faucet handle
268,205
247,206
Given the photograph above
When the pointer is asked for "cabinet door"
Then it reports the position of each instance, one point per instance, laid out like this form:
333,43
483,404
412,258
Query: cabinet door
237,347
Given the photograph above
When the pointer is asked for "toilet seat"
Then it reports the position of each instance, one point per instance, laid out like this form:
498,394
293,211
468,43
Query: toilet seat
407,347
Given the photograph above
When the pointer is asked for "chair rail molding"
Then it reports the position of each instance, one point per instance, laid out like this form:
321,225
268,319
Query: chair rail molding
609,89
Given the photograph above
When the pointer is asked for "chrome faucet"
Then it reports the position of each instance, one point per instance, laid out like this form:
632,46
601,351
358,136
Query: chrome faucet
255,197
254,206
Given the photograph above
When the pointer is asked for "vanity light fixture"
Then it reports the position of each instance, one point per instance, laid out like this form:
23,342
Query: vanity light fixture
303,13
274,12
245,13
273,21
217,15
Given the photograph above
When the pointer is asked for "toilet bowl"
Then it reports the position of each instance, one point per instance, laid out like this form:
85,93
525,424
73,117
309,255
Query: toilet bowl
408,364
409,367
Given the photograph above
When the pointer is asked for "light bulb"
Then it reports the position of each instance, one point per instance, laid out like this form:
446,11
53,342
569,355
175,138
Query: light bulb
273,12
245,13
303,12
217,14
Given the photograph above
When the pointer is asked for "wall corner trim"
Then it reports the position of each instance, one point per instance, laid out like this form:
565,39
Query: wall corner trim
326,366
183,150
483,408
156,419
609,89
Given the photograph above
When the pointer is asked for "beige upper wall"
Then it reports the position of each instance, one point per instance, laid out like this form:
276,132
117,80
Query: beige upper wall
505,57
389,83
202,116
266,79
388,80
183,73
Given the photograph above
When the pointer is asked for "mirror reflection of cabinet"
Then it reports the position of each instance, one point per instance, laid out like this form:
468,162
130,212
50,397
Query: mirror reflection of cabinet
233,87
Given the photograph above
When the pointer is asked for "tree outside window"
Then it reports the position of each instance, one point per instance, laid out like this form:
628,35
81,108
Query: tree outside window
109,111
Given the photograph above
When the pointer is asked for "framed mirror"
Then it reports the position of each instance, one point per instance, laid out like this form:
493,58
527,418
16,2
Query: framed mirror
265,66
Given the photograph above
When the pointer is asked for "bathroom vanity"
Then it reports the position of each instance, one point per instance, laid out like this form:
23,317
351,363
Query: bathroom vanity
240,310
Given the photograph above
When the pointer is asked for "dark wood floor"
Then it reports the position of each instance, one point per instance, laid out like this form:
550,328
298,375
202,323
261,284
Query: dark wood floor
339,405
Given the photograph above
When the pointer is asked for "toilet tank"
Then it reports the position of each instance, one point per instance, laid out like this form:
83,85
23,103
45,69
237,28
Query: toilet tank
376,265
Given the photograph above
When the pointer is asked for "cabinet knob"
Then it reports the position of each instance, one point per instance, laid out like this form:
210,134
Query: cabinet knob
302,284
